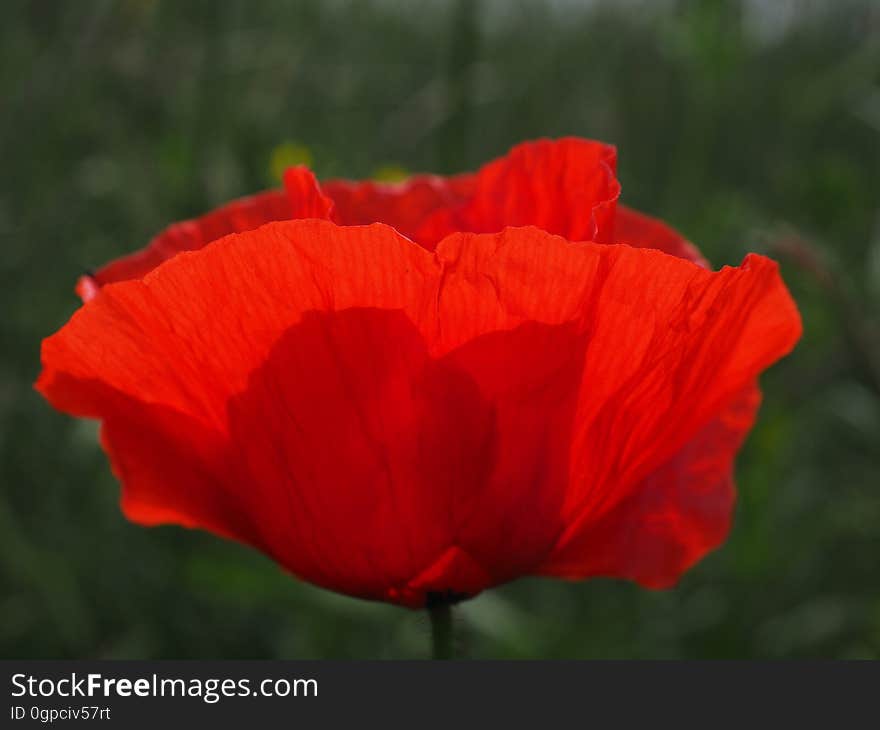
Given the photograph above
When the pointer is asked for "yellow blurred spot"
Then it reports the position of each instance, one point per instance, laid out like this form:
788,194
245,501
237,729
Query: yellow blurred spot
288,154
390,173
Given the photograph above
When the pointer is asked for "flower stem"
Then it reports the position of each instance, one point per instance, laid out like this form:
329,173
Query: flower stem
441,631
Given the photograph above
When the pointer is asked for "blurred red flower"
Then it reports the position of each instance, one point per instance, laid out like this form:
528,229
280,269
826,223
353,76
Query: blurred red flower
402,391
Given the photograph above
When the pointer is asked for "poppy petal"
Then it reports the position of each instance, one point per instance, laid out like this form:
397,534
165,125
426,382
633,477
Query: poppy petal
687,360
390,423
566,187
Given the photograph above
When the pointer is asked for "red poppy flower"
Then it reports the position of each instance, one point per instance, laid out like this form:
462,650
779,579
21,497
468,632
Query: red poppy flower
472,388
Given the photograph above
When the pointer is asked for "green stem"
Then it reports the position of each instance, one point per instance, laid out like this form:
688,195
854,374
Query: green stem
441,631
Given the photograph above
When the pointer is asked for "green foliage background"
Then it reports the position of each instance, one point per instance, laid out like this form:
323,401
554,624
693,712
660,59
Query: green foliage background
745,128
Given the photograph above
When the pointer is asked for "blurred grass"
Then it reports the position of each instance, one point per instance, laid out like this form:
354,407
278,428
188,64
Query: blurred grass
747,128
